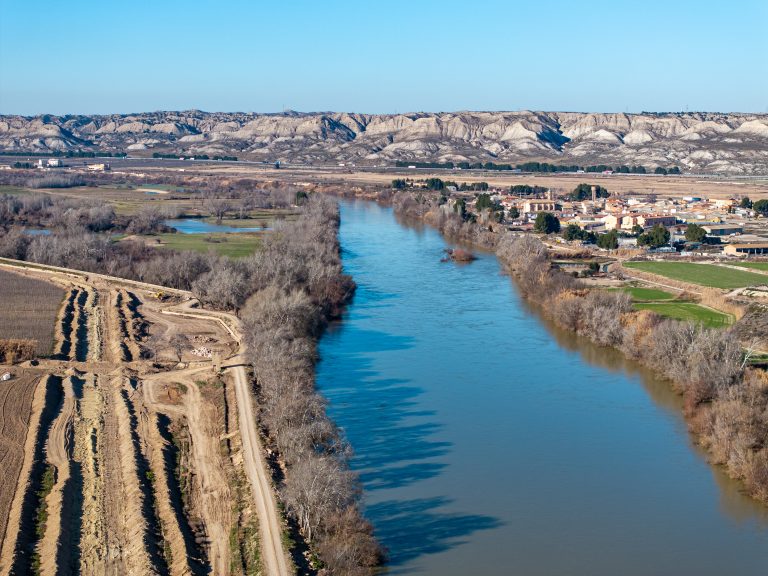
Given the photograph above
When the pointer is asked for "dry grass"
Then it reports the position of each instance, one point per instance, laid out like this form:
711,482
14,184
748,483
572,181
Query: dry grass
717,300
28,309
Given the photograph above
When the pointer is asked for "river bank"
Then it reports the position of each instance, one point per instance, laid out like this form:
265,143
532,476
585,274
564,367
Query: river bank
725,403
490,441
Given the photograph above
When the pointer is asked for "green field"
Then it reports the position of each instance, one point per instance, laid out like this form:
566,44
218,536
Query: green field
754,265
687,311
702,274
14,190
641,294
233,245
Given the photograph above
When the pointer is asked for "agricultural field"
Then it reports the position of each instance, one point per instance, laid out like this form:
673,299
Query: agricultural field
643,294
234,245
128,200
762,266
103,475
14,190
28,309
687,311
665,304
15,409
701,274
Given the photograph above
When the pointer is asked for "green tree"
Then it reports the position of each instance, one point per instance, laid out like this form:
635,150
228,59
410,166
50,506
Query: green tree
609,240
513,213
435,184
547,223
637,230
572,232
460,207
655,238
399,184
584,192
746,203
695,233
484,201
761,207
660,170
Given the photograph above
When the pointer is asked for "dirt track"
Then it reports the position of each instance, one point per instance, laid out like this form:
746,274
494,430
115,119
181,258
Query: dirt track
140,481
274,556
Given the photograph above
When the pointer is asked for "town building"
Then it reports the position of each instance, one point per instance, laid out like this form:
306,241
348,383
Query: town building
723,229
744,249
534,206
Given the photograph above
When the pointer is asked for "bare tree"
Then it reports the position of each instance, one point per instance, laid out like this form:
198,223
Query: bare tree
179,344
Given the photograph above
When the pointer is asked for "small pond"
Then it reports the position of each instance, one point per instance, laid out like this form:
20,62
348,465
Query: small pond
200,226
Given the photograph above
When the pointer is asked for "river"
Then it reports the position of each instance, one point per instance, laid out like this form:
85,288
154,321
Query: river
490,442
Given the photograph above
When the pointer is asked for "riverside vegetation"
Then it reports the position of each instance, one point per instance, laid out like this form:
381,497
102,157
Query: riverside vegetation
285,293
726,401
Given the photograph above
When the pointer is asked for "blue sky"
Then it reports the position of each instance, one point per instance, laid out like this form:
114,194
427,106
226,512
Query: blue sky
382,56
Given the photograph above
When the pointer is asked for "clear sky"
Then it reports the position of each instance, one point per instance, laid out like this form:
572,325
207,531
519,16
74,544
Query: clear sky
382,56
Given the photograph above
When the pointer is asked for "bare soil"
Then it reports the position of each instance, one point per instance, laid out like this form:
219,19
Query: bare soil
149,474
15,411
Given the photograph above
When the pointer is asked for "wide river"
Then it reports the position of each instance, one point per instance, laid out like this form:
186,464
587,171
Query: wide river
490,442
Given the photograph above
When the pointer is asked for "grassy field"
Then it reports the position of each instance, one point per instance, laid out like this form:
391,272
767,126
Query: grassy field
702,274
14,190
28,309
233,245
687,311
762,266
642,294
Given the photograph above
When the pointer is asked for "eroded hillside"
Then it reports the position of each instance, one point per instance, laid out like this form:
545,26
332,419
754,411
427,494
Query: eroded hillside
726,143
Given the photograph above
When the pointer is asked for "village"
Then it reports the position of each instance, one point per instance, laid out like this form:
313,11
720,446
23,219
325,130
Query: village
695,225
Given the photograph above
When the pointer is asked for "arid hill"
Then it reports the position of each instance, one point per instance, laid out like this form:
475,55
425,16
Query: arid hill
734,143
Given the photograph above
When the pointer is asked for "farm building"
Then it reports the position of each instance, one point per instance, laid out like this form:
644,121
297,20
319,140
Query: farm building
744,249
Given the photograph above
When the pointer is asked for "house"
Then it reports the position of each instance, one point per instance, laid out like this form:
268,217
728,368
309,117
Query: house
652,220
744,249
534,206
723,229
98,167
55,163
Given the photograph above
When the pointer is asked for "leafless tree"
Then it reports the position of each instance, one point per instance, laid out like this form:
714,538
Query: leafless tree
179,344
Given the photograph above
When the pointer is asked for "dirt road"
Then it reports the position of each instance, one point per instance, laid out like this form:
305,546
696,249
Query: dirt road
273,554
109,434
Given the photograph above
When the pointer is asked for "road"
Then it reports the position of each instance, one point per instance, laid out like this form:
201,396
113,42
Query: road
273,555
274,559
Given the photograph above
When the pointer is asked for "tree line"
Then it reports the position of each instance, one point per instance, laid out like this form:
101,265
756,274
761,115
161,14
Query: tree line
538,167
67,154
285,295
725,400
170,156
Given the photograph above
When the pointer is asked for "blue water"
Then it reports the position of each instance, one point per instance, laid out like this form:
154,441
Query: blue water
37,232
199,226
489,442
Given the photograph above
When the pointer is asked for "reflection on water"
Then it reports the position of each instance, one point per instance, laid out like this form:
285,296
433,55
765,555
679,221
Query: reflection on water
491,442
200,226
733,500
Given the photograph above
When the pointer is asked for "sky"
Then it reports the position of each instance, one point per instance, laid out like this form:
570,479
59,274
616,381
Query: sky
374,56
